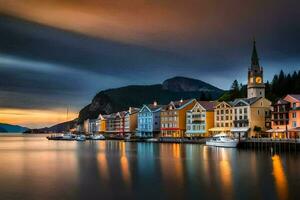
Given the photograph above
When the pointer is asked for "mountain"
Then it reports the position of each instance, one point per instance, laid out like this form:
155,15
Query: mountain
58,128
8,128
114,100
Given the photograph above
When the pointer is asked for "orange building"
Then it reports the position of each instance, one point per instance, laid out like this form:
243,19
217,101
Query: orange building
173,118
286,117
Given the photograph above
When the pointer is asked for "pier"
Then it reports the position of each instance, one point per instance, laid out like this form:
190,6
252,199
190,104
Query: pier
275,145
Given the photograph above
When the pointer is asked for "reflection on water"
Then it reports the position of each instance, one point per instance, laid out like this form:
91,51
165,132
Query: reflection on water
102,161
280,178
124,164
34,168
225,173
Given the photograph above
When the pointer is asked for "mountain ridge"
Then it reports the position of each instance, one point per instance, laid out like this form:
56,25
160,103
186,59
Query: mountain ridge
176,88
11,128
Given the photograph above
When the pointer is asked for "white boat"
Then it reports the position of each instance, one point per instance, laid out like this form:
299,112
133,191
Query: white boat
152,140
96,137
67,136
222,140
80,138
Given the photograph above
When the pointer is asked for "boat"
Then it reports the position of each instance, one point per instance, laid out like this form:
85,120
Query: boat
96,137
222,140
80,138
152,140
66,136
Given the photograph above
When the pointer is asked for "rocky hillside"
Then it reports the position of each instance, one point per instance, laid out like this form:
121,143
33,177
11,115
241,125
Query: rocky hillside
113,100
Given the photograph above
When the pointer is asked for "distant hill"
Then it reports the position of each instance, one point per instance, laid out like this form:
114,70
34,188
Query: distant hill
58,128
114,100
8,128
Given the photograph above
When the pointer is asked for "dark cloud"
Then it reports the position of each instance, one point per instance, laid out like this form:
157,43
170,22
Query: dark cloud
42,66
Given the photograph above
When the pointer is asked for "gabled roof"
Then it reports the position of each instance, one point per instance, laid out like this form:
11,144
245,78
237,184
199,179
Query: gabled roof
295,96
281,101
229,103
178,104
249,101
152,107
208,105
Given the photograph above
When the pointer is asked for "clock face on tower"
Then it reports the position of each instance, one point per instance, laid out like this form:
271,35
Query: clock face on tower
258,80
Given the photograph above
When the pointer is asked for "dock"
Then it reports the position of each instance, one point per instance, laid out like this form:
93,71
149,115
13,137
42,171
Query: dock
275,145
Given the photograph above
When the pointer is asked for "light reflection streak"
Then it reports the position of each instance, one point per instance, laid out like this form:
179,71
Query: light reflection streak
280,178
125,164
226,173
102,161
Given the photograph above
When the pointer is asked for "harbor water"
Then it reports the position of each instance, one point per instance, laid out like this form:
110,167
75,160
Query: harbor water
31,167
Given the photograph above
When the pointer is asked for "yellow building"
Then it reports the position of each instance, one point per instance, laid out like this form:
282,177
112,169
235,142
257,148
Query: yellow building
250,113
200,119
173,118
102,123
222,118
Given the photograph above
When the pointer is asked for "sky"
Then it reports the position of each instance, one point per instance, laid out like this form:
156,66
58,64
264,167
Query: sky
60,53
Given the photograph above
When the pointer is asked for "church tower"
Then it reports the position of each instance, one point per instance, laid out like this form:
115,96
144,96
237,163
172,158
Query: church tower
256,86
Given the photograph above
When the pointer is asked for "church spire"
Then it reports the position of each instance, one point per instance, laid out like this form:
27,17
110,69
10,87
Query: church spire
254,58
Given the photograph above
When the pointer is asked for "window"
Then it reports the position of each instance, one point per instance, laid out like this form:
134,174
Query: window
294,115
294,124
245,110
258,112
294,105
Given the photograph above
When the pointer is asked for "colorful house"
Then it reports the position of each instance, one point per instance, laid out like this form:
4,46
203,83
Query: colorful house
286,117
130,120
173,118
149,120
102,123
250,116
223,120
113,123
200,119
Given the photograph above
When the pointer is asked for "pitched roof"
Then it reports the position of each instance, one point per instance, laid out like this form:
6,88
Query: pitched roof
281,101
295,96
207,105
181,103
153,107
249,101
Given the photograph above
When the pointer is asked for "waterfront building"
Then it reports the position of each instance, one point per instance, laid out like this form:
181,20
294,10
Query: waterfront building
102,123
250,116
112,122
223,118
149,120
130,117
173,118
200,119
286,117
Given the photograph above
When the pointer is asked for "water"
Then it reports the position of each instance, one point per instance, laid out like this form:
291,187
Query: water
32,167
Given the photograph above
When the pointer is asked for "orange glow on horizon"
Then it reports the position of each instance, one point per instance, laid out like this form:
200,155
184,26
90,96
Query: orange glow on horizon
33,118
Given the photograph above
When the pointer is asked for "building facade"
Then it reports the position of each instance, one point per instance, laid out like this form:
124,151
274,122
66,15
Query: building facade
286,117
130,120
173,118
200,119
223,118
251,116
149,120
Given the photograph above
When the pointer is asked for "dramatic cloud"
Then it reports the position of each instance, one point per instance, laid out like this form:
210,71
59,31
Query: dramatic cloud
59,53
